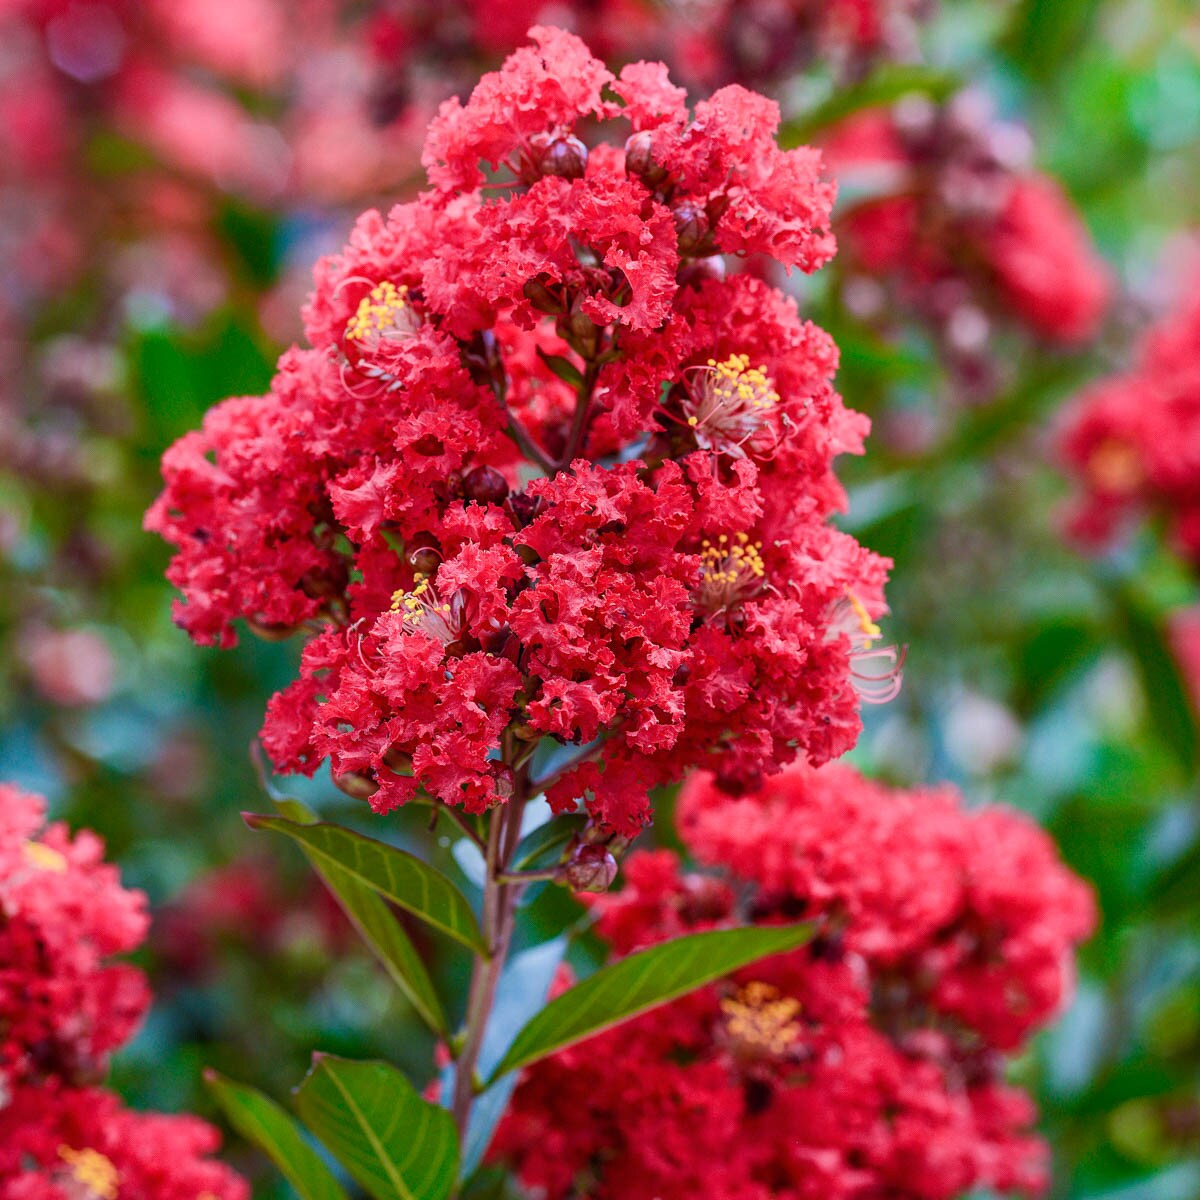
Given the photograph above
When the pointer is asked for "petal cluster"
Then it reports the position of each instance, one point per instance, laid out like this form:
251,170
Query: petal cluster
1133,441
63,1008
868,1063
489,489
956,225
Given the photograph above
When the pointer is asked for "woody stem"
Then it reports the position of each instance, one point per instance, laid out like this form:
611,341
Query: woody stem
499,909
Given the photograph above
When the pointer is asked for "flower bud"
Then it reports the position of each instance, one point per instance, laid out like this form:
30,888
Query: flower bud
639,159
562,155
398,762
269,631
591,869
357,784
692,226
485,485
698,271
542,298
506,781
423,555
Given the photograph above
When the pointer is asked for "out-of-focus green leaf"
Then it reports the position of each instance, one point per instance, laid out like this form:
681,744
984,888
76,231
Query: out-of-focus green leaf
885,86
1166,693
644,981
396,1145
1177,887
264,1123
547,841
403,878
376,926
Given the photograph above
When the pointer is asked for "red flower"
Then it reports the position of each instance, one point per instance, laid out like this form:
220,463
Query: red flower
62,1144
961,231
63,1006
547,476
864,1064
1133,441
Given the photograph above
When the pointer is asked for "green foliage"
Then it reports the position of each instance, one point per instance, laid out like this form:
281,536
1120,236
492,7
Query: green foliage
376,925
641,982
403,878
260,1120
396,1145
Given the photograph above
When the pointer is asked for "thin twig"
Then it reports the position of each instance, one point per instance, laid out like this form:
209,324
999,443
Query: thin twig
462,821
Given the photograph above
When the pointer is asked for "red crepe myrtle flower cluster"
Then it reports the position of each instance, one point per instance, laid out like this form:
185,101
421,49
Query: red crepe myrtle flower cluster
764,43
63,1009
868,1063
1133,441
546,472
63,913
959,227
60,1143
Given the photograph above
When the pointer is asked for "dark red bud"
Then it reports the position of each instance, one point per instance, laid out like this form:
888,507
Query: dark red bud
270,632
486,486
563,156
692,226
591,869
639,159
506,781
542,298
698,271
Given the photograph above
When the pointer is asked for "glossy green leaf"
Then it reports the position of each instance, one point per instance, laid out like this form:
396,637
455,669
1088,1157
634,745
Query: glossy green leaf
264,1123
644,981
401,877
395,1144
376,925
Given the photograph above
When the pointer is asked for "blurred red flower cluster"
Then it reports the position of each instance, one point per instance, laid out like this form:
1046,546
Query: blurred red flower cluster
869,1063
63,1008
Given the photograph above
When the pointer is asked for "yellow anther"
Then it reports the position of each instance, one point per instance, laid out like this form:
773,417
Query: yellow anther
45,858
868,627
759,1018
383,310
1115,467
92,1170
726,403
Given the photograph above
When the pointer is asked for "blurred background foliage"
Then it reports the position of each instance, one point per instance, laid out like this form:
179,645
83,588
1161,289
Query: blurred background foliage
1036,676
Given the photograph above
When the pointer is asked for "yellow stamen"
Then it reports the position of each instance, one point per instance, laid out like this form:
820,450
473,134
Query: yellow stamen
868,627
45,858
735,380
91,1169
1115,467
379,312
759,1018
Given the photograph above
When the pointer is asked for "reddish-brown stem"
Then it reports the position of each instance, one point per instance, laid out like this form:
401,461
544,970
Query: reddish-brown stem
499,909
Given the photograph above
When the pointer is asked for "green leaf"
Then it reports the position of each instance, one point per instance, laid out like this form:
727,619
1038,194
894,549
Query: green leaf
396,1145
547,842
401,877
1176,888
885,86
376,926
1166,693
564,368
264,1123
644,981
